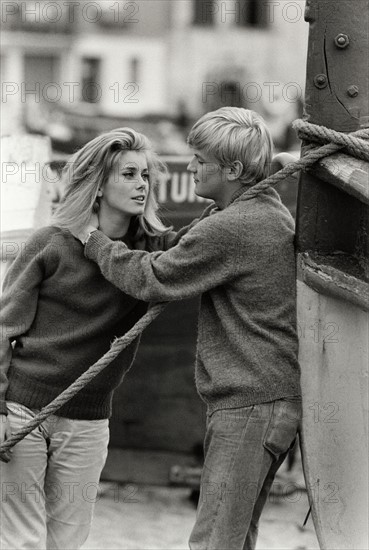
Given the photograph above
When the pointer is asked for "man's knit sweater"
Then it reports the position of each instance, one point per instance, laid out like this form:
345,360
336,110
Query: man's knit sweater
62,315
241,260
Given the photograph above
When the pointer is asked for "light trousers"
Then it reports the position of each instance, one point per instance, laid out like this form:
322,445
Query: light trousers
50,486
244,448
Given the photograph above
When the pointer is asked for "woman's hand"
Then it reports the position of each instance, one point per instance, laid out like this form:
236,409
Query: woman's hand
5,433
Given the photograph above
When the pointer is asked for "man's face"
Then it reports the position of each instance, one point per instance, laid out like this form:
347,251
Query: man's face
209,176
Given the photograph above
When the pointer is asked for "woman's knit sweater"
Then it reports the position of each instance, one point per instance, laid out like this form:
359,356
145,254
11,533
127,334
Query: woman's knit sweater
61,316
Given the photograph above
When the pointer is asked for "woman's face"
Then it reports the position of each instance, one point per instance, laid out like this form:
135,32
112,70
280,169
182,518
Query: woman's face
127,187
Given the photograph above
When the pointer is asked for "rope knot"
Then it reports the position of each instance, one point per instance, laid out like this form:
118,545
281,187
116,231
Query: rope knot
323,142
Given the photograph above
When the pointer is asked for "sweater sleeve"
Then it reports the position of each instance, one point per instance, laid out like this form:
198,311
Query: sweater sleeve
202,259
18,303
172,238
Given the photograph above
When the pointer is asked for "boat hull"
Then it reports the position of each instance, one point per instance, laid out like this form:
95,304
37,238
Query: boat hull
333,338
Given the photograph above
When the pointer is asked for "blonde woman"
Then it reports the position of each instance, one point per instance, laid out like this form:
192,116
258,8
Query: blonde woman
58,316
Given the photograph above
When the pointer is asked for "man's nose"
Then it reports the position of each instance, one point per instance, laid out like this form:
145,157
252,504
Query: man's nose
191,165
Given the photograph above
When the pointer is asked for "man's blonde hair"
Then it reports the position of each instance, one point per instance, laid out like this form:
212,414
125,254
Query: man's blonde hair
234,134
89,169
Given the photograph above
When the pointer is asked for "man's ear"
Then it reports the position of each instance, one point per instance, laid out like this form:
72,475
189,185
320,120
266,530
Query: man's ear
234,171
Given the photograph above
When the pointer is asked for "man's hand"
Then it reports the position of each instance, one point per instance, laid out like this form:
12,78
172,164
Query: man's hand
281,160
5,433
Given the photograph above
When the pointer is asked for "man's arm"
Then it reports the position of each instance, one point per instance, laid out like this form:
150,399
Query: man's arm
203,259
176,236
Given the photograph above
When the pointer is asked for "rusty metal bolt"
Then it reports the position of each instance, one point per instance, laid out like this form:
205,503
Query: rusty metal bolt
353,91
321,80
342,40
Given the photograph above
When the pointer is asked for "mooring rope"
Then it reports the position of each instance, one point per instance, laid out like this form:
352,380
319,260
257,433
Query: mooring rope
354,144
117,346
323,142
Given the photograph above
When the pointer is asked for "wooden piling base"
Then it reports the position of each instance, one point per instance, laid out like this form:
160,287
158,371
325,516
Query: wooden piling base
333,338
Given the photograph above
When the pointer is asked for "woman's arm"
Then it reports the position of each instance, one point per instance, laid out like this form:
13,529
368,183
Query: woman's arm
18,303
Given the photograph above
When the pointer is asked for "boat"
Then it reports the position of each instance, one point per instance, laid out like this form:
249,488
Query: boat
333,291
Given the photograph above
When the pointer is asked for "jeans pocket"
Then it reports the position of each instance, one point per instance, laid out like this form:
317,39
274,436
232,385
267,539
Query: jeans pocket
283,427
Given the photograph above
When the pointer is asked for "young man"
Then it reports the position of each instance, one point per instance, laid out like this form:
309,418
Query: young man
240,257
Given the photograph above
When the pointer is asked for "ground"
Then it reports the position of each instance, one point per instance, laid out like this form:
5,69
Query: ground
146,517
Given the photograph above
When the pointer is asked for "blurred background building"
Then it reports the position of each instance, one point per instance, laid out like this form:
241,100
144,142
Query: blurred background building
71,69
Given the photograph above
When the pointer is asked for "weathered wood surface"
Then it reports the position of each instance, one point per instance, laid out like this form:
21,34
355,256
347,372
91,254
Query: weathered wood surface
349,174
328,219
24,187
25,198
333,327
328,280
157,407
334,360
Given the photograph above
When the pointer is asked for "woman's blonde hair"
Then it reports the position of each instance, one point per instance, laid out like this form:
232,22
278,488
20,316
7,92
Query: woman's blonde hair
88,170
234,134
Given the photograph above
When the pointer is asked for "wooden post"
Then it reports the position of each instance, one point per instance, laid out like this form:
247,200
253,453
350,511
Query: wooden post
333,291
25,196
336,97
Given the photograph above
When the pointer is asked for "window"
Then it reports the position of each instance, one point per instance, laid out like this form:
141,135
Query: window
91,91
204,11
253,13
228,93
135,70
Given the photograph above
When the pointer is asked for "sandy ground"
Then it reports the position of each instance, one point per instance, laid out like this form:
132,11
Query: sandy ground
142,517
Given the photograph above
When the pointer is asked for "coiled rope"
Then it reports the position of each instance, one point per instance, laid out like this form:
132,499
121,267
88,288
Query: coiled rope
323,142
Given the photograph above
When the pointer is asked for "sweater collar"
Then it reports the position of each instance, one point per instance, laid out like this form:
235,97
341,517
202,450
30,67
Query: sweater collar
242,191
247,191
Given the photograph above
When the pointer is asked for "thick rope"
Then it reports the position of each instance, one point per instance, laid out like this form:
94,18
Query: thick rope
117,346
354,144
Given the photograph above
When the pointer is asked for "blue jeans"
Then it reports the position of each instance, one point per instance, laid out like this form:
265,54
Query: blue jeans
244,448
49,487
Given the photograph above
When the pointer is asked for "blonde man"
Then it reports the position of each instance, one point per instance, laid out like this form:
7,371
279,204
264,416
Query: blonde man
240,257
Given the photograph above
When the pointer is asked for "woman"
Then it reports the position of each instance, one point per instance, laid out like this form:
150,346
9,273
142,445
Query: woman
61,315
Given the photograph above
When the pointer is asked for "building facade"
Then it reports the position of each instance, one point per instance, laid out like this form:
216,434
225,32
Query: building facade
175,58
